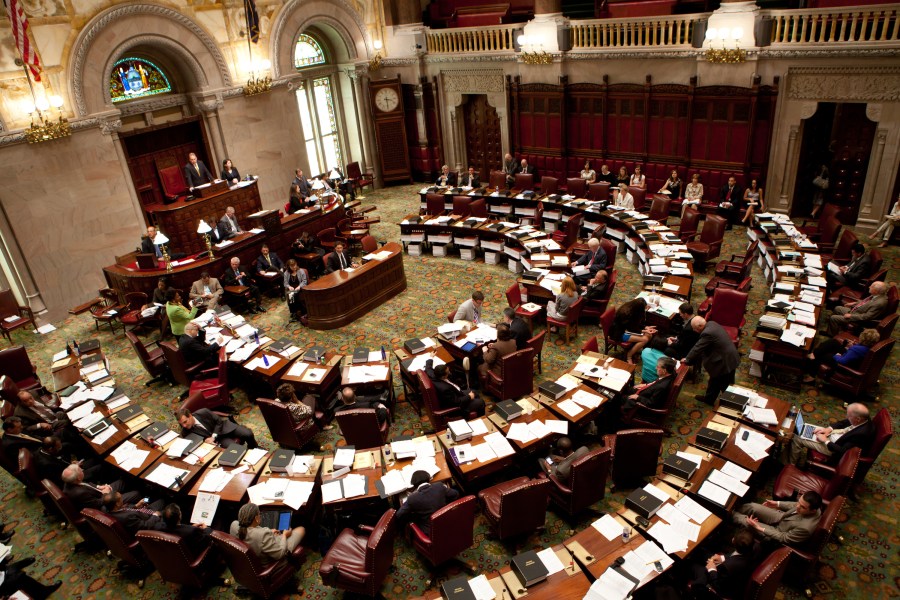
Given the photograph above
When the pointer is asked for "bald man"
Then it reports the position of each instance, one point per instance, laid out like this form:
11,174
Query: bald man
871,307
195,172
856,431
715,350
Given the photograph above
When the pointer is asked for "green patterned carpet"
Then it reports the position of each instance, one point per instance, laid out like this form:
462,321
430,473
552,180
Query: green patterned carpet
865,565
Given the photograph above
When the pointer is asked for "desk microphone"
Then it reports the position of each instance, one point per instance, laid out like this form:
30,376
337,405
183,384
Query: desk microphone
179,481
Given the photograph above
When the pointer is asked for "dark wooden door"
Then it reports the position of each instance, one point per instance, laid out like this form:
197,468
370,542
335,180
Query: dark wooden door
482,127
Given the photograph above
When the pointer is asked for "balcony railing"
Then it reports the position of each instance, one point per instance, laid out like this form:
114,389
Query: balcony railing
649,32
497,38
840,25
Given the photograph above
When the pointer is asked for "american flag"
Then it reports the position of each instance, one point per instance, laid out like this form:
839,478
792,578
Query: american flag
19,23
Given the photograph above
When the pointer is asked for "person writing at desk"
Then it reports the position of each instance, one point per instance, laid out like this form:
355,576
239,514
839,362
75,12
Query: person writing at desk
268,545
425,500
229,173
228,225
339,259
213,428
179,316
206,291
195,172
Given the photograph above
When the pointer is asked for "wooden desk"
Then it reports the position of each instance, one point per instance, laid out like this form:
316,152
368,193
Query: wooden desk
409,380
383,383
603,552
149,461
569,584
192,471
538,413
707,464
730,450
493,578
585,416
781,408
315,498
396,464
236,489
340,298
475,469
373,474
322,387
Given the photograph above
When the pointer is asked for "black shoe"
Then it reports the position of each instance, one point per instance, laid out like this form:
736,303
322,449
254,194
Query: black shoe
4,539
22,564
260,309
49,589
701,398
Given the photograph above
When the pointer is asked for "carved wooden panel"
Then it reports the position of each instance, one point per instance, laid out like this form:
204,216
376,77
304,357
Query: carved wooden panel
483,139
391,136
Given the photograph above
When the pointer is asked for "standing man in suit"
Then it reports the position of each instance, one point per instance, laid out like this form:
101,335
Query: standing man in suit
426,499
301,182
470,178
680,344
268,261
518,327
559,463
237,275
447,178
717,353
867,309
730,197
510,166
727,574
782,522
339,259
856,431
206,291
195,351
87,495
213,428
449,394
494,351
135,517
228,224
859,267
653,394
593,260
470,310
195,172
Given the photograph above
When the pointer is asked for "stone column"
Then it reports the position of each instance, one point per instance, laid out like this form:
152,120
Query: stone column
111,128
210,109
11,254
865,209
789,174
370,162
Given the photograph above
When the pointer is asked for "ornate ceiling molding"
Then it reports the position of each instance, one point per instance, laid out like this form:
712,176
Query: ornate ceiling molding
474,81
842,84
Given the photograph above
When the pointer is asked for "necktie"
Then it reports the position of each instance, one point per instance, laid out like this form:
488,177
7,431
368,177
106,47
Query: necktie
197,167
341,256
861,304
475,317
239,276
158,251
591,263
269,258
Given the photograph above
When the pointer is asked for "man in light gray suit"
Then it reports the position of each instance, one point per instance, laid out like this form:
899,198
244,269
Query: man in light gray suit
228,224
783,522
470,310
719,357
206,291
867,309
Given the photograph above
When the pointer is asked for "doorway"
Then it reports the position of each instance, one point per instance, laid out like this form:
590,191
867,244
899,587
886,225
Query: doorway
482,133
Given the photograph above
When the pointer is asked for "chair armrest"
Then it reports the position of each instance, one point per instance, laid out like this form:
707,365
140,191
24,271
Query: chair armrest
559,484
205,371
845,370
200,558
418,535
821,469
366,528
26,311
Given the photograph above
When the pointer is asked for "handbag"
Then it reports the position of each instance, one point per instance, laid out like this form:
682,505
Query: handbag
820,182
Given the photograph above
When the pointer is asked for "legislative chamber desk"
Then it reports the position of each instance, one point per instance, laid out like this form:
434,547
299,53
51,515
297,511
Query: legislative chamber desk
340,298
129,278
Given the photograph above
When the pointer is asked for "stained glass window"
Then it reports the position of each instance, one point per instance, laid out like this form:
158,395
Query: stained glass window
307,52
136,78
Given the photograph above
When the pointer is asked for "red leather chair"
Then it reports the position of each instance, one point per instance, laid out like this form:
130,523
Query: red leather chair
516,507
848,294
368,243
635,454
119,542
841,255
738,268
18,315
154,362
132,314
644,416
549,185
361,429
576,186
606,321
462,206
829,211
71,515
765,579
727,309
611,249
805,556
498,180
175,562
328,238
597,306
590,345
282,427
452,531
14,363
29,477
515,379
659,210
687,229
709,245
438,415
479,208
536,344
598,191
358,178
793,480
566,237
514,299
214,386
586,484
884,327
828,236
570,322
359,563
884,431
639,195
861,380
172,180
108,311
524,181
248,571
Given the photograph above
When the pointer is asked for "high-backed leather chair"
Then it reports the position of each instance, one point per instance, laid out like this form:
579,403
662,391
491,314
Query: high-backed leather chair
434,204
635,454
576,186
358,178
690,221
738,268
515,379
591,345
709,245
727,309
213,382
611,250
599,191
606,321
135,302
29,477
514,299
175,562
569,322
549,185
479,208
524,181
498,180
595,307
644,416
841,255
827,237
247,569
566,236
452,531
328,237
857,381
793,480
765,579
18,315
284,430
438,415
181,372
153,361
71,514
639,195
361,429
659,209
829,211
359,563
517,506
462,206
884,431
119,542
586,484
536,344
15,363
109,310
806,555
884,327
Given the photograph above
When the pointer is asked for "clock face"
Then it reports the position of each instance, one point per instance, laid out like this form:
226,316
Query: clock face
387,99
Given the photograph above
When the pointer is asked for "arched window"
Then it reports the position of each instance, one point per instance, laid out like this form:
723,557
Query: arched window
135,78
307,52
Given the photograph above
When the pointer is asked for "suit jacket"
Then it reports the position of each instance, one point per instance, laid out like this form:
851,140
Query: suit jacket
10,445
134,520
33,420
448,395
228,228
731,575
858,269
49,466
195,351
214,287
716,350
333,263
520,332
425,501
193,178
263,265
229,278
179,316
304,186
858,437
451,179
211,424
195,539
467,311
526,170
266,544
737,195
84,496
369,401
655,394
499,350
790,527
231,175
473,181
563,468
874,308
684,341
599,262
511,167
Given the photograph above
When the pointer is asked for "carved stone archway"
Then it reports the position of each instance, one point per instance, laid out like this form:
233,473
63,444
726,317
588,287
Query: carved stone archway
455,84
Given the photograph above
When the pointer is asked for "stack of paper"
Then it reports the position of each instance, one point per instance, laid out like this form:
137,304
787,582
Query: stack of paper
689,507
756,446
608,527
166,475
499,444
612,585
215,481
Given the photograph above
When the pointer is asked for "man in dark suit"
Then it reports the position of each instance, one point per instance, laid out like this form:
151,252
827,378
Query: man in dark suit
213,428
518,327
236,275
133,518
350,400
447,178
449,394
510,166
593,260
228,225
717,353
86,495
339,259
470,178
425,499
727,573
148,245
680,344
856,431
869,308
596,286
653,394
730,197
14,438
37,418
50,462
559,463
526,169
196,537
301,182
859,267
194,350
196,173
268,261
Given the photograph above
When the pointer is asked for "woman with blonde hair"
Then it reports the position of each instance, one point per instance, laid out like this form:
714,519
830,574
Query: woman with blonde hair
833,352
566,297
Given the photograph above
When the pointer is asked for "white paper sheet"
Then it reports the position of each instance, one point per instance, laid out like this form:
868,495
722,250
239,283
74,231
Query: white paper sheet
551,561
608,527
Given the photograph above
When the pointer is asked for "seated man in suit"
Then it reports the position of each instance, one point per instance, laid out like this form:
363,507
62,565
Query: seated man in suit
149,246
856,431
51,460
449,394
510,166
559,463
518,327
783,522
339,259
494,351
87,495
470,178
268,261
196,173
195,351
870,308
134,517
730,197
727,574
206,292
213,428
236,275
596,286
424,500
859,267
37,418
14,438
525,169
228,224
594,260
653,394
681,343
447,178
196,537
470,310
350,400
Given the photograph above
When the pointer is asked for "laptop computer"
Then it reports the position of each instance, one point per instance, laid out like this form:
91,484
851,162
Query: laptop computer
276,519
804,430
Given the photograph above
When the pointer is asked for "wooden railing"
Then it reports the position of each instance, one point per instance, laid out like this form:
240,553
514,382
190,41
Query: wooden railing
841,25
497,38
649,32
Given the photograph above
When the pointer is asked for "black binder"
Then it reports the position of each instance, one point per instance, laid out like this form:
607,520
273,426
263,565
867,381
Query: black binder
643,503
529,568
233,455
128,413
196,440
457,589
88,346
360,355
710,438
733,401
679,467
551,389
508,409
280,460
154,431
314,354
414,346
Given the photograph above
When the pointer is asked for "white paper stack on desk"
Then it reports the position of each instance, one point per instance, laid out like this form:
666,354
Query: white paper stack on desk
350,486
756,446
